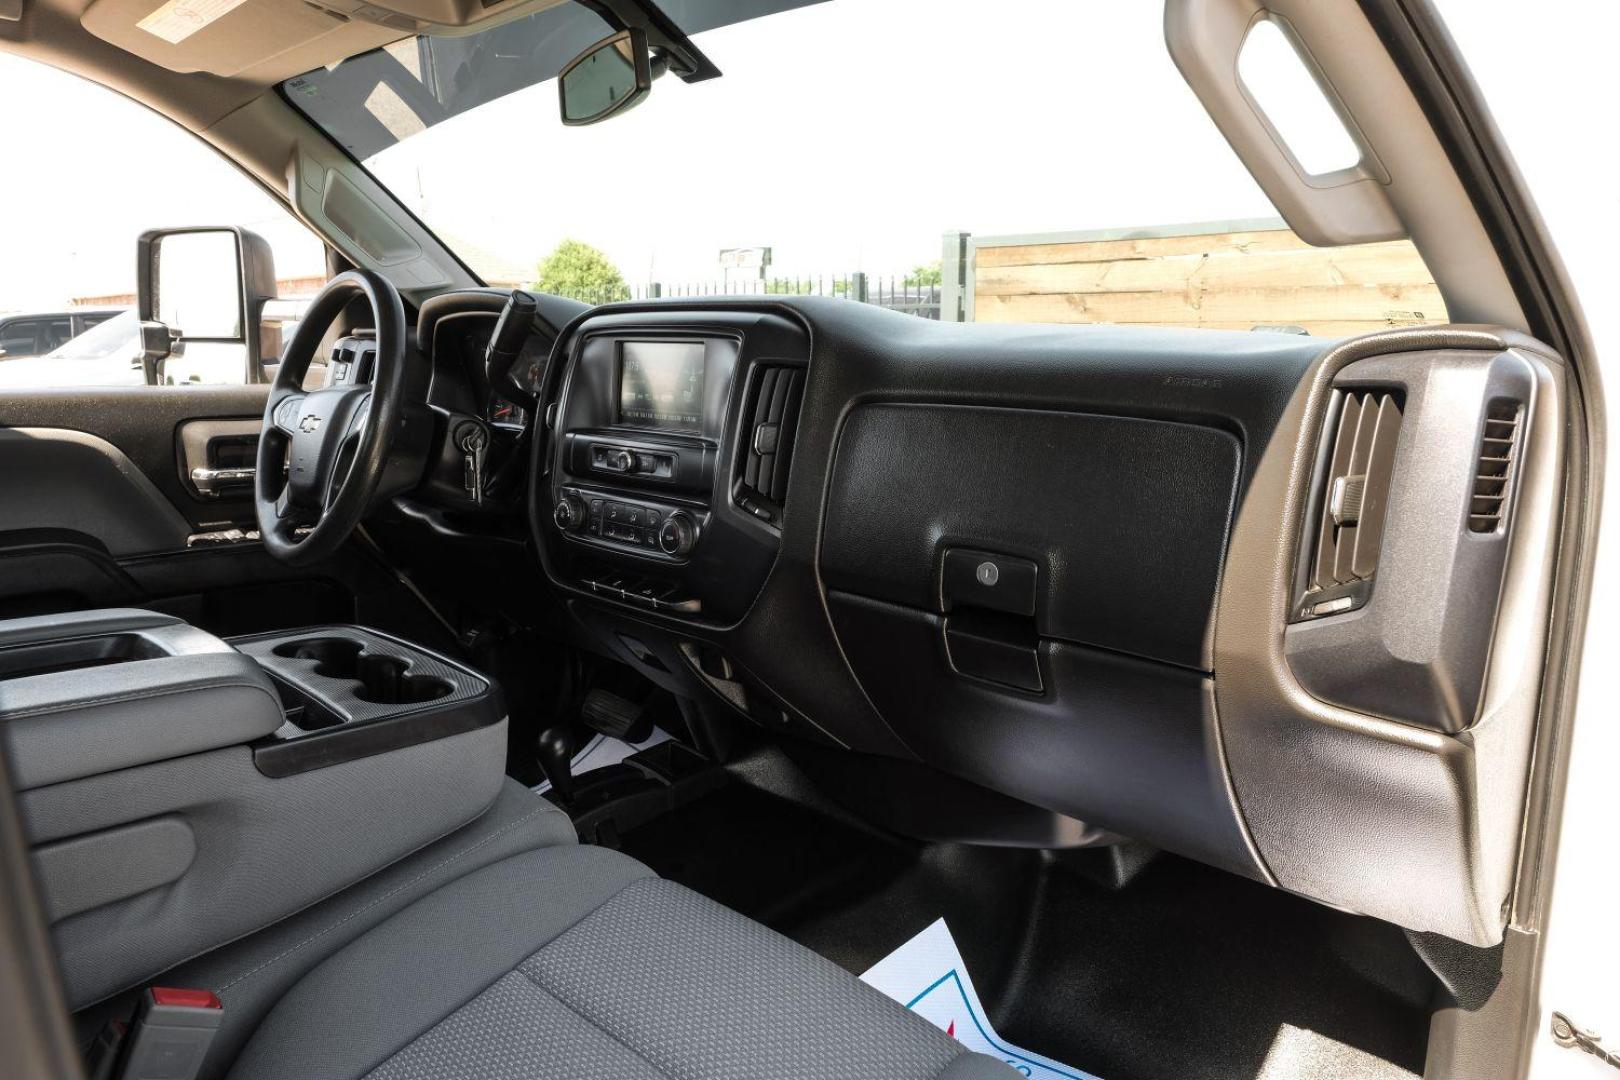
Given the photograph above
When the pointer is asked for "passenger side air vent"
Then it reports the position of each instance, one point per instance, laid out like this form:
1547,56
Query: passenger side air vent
1498,450
1355,496
770,423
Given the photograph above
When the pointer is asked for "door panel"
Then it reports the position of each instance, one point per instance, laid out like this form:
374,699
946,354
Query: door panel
65,480
145,424
97,502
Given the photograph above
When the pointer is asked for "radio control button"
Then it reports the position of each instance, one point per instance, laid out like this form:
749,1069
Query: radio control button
678,535
570,513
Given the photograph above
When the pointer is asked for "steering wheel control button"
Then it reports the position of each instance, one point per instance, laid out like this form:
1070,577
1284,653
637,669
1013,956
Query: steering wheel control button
286,414
986,579
678,535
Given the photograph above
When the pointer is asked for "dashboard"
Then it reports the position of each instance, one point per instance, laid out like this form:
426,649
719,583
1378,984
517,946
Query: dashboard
1272,602
454,332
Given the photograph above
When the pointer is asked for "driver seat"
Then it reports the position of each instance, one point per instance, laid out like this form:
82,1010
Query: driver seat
578,962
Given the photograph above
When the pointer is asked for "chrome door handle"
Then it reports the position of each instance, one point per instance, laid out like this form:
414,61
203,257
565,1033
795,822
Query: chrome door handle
213,482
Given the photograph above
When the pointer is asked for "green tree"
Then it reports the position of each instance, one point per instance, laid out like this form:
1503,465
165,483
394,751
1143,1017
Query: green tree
928,274
577,270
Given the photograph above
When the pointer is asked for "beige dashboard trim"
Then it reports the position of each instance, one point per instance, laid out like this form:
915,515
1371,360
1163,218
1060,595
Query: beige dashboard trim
1370,815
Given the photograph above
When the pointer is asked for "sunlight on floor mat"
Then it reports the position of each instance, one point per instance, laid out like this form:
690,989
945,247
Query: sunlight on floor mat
928,976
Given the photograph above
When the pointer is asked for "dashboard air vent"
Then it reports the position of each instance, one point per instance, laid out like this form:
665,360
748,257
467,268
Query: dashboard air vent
1498,450
1355,496
770,423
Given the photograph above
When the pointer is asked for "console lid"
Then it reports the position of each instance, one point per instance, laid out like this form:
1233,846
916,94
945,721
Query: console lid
97,691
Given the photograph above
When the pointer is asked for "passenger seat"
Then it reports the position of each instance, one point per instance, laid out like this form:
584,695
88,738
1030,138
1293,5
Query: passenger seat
578,962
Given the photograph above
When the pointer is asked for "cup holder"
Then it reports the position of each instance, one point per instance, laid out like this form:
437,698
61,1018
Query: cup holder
384,680
336,658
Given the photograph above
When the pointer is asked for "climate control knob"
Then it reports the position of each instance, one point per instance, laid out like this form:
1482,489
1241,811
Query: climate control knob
570,513
678,535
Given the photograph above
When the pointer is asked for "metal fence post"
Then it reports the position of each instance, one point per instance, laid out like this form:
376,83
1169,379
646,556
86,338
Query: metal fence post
955,285
857,286
655,290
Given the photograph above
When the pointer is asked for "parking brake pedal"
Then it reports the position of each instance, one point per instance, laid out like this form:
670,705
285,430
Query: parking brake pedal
615,716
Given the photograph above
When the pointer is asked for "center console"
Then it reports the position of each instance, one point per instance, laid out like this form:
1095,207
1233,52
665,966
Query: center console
666,465
179,791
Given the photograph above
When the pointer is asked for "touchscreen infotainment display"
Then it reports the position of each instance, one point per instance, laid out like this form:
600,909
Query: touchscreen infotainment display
661,384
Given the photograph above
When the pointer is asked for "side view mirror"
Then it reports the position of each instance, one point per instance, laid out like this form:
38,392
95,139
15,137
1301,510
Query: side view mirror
158,343
202,284
606,79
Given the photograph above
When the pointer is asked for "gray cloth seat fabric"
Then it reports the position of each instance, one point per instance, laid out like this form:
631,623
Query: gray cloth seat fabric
577,962
251,974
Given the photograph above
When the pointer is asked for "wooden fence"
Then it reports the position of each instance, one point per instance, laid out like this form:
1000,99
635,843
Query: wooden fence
1233,276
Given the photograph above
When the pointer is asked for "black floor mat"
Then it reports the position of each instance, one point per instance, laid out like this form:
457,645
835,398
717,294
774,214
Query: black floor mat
1185,972
766,857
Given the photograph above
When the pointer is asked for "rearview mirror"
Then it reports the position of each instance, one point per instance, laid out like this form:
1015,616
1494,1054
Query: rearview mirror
205,284
611,76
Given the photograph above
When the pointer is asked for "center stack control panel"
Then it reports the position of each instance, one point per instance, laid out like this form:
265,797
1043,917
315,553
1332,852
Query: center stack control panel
634,526
647,460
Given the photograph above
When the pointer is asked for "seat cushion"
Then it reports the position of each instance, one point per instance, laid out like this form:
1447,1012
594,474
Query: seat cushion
253,973
577,962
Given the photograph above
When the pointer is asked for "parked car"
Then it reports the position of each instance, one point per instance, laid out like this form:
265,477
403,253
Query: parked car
37,333
109,354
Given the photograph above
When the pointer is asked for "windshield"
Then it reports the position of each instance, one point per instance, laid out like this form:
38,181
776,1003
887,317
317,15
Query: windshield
1017,161
120,334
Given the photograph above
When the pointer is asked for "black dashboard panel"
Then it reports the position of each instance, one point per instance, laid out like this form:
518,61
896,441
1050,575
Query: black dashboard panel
1115,741
644,513
453,329
1125,520
1097,468
1041,584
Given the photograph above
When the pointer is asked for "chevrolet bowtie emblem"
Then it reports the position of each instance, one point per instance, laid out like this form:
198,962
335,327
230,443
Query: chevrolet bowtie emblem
309,423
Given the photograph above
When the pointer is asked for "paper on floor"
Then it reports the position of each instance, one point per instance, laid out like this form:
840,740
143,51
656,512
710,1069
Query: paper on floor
927,976
604,750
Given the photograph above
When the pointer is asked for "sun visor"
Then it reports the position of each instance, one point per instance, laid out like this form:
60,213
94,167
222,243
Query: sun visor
231,37
271,40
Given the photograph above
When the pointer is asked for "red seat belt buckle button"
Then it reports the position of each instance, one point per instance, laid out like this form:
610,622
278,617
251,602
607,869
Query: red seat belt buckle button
191,999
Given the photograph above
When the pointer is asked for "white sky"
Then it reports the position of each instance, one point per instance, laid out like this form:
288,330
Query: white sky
83,171
850,136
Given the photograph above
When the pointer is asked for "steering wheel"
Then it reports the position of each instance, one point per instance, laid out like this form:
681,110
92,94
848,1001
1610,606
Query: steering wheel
323,452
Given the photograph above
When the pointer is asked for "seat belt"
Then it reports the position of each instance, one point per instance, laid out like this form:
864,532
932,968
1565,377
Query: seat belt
167,1040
